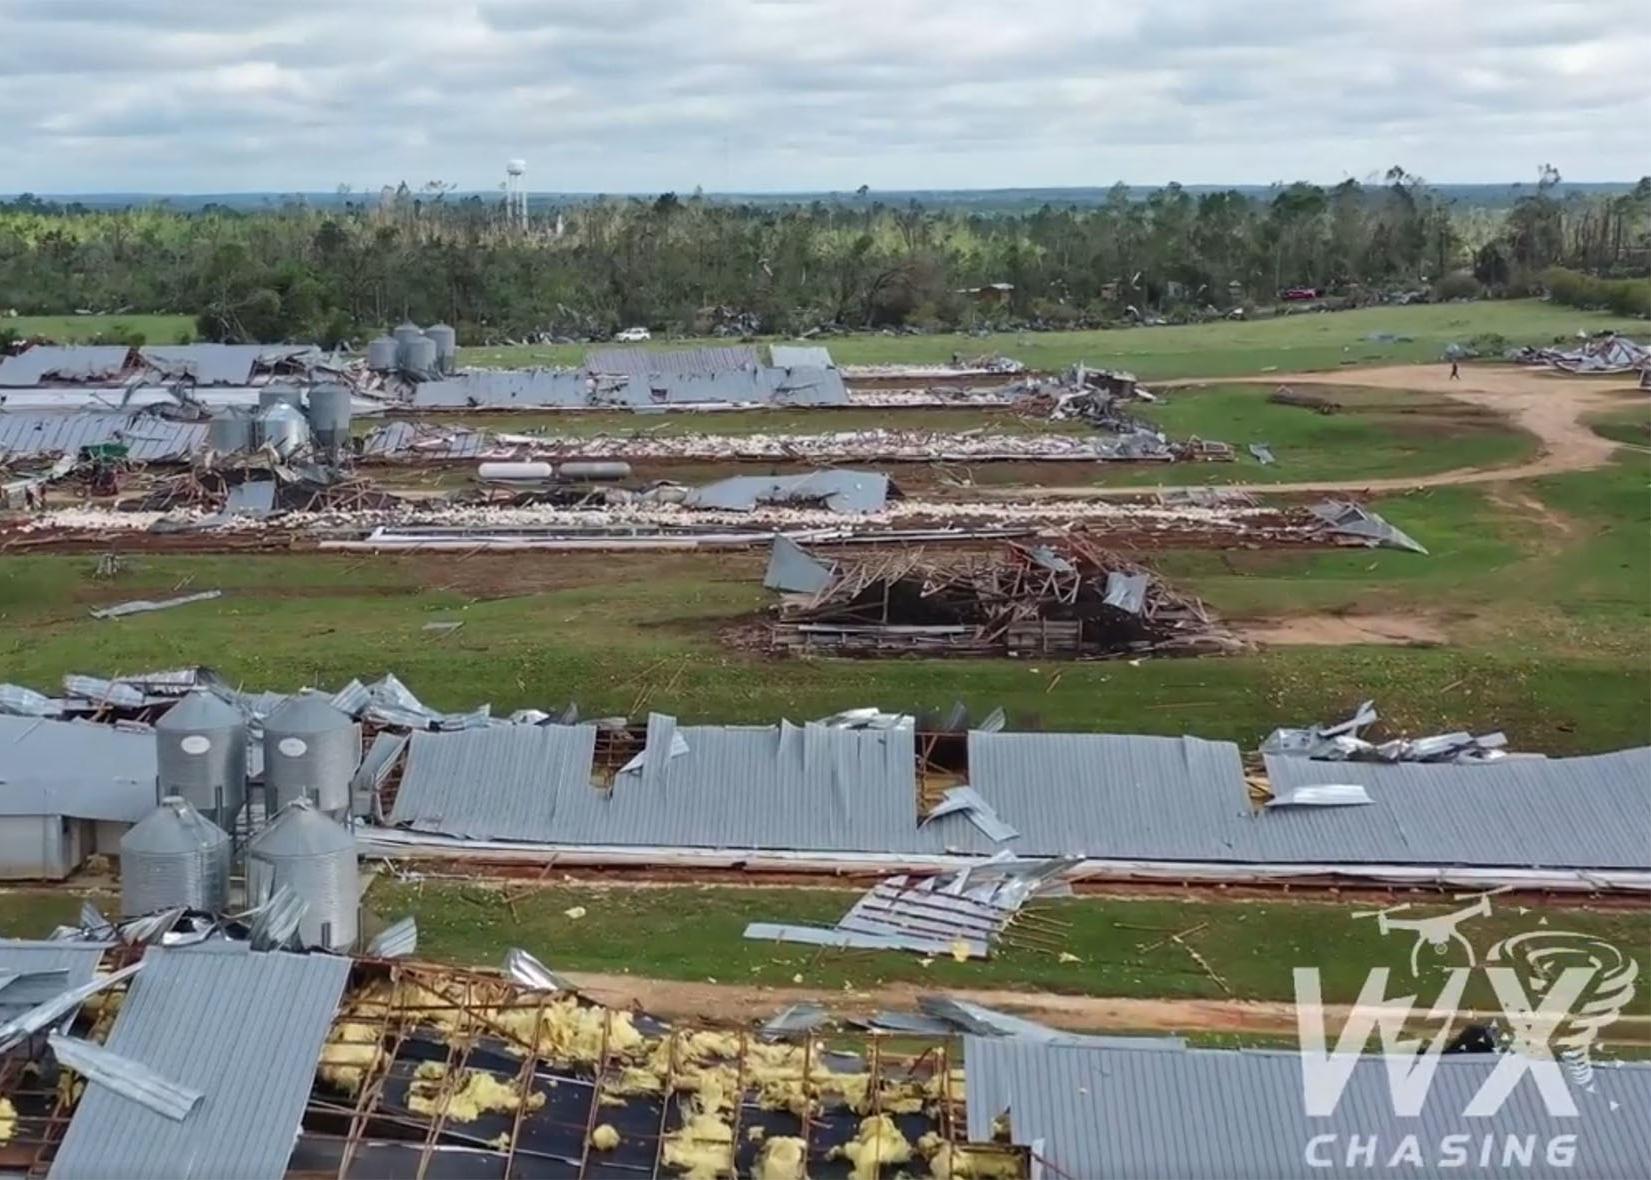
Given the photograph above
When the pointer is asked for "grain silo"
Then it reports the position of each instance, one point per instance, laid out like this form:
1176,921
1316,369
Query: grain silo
329,415
311,751
405,333
201,755
283,428
315,858
382,352
447,346
174,856
231,431
420,356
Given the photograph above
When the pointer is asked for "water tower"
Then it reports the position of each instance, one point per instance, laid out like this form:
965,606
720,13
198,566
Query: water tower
515,192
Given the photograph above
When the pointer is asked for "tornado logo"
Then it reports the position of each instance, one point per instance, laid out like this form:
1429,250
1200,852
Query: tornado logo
1541,955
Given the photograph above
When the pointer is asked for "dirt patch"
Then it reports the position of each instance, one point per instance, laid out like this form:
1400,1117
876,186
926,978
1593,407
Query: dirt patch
1553,523
740,1004
1552,406
1408,630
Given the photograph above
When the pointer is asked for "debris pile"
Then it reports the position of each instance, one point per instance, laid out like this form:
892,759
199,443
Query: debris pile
1608,355
1341,742
964,914
1354,524
1065,597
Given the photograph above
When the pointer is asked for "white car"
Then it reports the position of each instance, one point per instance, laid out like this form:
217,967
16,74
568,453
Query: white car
633,335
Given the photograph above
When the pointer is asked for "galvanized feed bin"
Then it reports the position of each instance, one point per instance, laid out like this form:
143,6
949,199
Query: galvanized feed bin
201,755
311,751
405,333
230,431
382,352
447,346
419,356
315,858
329,415
283,428
174,856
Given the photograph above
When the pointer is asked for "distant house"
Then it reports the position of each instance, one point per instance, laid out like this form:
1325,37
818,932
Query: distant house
992,294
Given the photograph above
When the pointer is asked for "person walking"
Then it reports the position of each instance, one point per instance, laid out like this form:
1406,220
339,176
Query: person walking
1455,371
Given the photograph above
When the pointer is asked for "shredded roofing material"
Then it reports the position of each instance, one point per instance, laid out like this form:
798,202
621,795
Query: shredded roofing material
255,1024
1341,741
38,971
123,1076
1113,1111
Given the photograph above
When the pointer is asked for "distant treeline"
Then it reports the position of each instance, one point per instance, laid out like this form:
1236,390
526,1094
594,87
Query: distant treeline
698,265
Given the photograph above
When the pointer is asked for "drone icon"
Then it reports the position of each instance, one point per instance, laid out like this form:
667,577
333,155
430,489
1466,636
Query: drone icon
1438,931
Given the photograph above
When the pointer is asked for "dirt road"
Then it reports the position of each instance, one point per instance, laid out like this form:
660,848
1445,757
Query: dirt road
1548,404
742,1003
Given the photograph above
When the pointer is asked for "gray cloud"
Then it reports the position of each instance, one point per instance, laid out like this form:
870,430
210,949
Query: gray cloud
645,95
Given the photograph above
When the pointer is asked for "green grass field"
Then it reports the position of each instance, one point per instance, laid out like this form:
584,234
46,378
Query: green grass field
1226,348
1550,629
74,329
639,930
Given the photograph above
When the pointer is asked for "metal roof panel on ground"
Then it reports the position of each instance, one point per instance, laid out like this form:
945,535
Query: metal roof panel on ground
807,386
45,970
698,361
68,362
800,356
245,1029
76,769
840,490
501,783
1589,812
148,438
1149,1113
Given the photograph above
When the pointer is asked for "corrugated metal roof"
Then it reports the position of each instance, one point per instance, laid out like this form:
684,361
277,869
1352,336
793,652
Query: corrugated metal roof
208,364
77,960
840,490
1108,795
75,768
499,783
801,356
242,1027
792,570
787,787
496,388
702,362
68,362
148,438
1591,812
1208,1113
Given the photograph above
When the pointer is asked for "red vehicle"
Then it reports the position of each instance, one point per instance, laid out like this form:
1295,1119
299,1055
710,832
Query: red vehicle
1301,294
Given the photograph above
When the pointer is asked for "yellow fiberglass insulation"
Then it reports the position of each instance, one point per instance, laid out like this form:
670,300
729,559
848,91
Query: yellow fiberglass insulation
952,1162
604,1137
878,1142
351,1052
781,1158
703,1149
478,1093
8,1120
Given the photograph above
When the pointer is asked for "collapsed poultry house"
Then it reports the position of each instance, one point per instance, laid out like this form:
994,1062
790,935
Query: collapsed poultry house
1064,598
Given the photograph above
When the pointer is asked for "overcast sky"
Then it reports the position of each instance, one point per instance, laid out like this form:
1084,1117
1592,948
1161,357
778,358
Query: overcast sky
649,95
